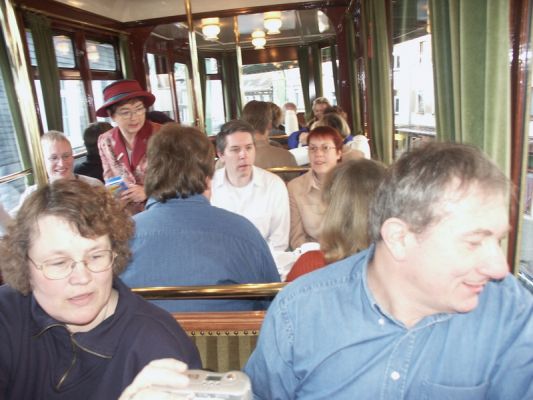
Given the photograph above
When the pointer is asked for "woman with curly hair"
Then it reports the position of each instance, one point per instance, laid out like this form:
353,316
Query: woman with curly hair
69,327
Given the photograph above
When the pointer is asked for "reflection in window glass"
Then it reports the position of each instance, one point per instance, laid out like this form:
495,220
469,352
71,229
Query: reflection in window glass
214,117
211,66
74,109
160,84
184,93
101,56
10,192
10,161
276,82
64,51
31,48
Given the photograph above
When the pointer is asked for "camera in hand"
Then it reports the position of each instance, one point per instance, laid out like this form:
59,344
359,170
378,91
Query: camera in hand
232,385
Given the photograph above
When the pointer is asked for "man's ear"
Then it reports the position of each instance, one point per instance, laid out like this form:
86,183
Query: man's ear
220,155
396,236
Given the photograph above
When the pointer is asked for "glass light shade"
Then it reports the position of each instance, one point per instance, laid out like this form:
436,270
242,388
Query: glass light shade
272,22
210,28
258,39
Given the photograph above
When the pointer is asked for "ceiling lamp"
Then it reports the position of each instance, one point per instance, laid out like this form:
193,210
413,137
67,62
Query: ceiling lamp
210,28
272,22
258,40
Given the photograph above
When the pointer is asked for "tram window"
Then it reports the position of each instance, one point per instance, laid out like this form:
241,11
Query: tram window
98,95
101,56
64,51
10,161
277,82
183,84
328,82
160,83
211,66
214,97
214,110
74,111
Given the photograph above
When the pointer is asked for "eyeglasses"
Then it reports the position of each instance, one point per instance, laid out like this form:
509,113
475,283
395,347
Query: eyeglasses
323,148
63,157
59,268
128,114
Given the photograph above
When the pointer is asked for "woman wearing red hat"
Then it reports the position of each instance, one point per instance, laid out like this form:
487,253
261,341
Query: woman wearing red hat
123,148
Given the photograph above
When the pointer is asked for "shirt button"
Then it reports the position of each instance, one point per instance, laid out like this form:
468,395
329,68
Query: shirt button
381,321
395,375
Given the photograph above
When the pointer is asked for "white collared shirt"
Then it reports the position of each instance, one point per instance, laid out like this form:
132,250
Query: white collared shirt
264,201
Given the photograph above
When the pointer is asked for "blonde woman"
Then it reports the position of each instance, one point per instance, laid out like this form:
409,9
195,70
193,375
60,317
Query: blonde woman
347,193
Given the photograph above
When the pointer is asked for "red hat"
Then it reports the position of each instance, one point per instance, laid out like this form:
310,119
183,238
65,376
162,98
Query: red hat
123,90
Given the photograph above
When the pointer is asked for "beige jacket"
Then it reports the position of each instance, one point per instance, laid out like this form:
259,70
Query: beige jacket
307,210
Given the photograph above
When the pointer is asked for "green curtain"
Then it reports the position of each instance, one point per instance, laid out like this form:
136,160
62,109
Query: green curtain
470,41
355,93
303,57
379,87
230,74
125,58
48,71
316,59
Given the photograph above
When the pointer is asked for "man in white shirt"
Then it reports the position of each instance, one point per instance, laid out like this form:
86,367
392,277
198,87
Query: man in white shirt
252,192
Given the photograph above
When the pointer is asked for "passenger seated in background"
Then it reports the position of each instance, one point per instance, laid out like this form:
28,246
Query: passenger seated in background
92,166
259,115
428,311
299,138
335,120
69,327
305,192
180,239
123,148
158,116
59,163
277,115
290,118
252,192
348,192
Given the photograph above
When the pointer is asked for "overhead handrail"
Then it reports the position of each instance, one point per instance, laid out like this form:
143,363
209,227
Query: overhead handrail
245,290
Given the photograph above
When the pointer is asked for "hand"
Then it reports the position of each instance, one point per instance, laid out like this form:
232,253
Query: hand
303,138
134,194
156,380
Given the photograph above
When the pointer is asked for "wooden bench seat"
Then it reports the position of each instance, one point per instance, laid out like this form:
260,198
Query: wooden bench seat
225,339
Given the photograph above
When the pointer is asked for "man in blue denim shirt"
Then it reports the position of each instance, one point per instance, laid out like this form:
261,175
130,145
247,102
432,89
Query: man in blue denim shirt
427,312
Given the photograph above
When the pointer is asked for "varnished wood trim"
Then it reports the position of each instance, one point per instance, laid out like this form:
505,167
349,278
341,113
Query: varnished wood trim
221,323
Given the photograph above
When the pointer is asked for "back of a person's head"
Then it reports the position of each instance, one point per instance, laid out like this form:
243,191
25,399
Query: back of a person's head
276,114
180,159
91,134
229,128
421,179
259,115
335,121
348,192
158,116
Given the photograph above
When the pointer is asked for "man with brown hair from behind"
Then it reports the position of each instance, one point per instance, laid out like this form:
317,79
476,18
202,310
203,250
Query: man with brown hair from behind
180,239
